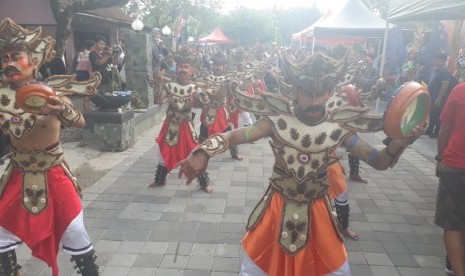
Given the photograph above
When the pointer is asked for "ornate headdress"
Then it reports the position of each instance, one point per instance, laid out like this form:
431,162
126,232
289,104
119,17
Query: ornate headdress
219,58
239,54
12,34
318,73
461,58
186,55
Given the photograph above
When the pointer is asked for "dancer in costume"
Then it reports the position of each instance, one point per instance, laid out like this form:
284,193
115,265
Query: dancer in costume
292,230
460,71
240,60
39,197
177,137
215,116
348,96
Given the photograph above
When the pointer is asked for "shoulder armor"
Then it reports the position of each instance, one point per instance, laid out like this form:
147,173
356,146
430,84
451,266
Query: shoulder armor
265,104
356,119
67,85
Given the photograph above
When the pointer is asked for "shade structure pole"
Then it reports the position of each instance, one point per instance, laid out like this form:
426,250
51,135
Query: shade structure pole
383,60
313,44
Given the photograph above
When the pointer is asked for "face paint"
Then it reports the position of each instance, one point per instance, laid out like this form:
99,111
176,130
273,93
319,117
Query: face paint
17,67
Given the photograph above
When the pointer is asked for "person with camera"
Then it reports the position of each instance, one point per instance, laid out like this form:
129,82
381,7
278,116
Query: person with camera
100,56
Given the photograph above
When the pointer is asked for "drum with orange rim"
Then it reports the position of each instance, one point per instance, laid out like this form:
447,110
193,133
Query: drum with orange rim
409,107
32,97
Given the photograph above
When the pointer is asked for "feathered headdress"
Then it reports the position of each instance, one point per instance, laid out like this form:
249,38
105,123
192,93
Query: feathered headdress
219,58
12,34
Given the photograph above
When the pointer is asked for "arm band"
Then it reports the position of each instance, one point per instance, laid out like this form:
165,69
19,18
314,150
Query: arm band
395,156
69,115
213,146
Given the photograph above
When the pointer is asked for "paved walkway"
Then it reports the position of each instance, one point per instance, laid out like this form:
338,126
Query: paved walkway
140,231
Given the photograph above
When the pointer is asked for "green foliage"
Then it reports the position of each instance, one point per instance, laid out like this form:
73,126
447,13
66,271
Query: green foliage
201,14
245,26
295,20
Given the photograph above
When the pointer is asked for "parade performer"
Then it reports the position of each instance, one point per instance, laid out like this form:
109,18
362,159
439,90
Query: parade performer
460,71
292,230
240,60
215,116
348,96
177,137
39,197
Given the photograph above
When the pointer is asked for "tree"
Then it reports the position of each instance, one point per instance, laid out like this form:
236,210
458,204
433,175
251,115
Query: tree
200,14
246,25
64,11
301,19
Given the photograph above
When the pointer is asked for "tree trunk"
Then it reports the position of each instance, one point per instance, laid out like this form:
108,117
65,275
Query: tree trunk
63,30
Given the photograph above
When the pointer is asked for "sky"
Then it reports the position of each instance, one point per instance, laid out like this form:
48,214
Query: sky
280,4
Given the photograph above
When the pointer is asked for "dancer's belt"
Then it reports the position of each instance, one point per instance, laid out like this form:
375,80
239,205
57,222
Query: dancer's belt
34,166
296,217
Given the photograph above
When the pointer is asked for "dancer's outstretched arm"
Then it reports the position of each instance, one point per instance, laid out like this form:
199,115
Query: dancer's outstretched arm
197,161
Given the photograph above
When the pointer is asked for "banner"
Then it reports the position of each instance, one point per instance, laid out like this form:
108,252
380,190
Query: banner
180,26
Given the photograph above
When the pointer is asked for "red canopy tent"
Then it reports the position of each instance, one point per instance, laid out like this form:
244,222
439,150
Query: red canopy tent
216,36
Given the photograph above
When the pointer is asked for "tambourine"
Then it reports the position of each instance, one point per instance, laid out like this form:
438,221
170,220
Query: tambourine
32,97
409,107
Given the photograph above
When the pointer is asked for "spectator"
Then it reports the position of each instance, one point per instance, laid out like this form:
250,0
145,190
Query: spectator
156,52
57,65
120,57
450,210
84,67
440,84
101,60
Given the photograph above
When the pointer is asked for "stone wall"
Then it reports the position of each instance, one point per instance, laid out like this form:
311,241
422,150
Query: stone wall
109,131
138,60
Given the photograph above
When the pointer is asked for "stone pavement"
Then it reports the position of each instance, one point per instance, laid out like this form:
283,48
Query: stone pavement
149,231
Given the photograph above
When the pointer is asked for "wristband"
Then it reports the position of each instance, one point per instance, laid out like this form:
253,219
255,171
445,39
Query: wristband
390,154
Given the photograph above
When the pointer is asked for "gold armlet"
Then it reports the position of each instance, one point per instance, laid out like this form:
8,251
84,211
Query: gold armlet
69,115
213,146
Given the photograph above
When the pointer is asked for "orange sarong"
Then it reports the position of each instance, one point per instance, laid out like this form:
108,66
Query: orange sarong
324,252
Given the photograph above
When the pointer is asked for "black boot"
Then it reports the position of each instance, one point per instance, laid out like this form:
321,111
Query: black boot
160,176
203,133
204,182
354,164
85,263
343,221
235,152
9,264
342,212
